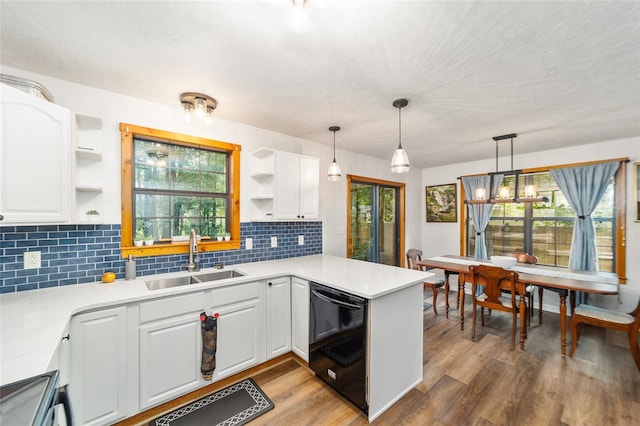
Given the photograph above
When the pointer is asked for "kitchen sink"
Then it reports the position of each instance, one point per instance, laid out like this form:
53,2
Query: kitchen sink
171,282
192,279
221,275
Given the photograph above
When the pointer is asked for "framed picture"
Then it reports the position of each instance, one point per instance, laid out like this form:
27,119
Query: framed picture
636,190
442,203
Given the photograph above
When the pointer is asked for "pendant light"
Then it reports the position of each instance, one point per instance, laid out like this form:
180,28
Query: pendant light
400,160
334,169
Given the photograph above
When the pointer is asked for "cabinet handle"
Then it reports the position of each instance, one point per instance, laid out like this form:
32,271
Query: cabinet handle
1,217
270,284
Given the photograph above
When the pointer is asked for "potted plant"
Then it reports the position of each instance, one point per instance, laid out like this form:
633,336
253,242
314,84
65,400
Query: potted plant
139,239
227,237
93,215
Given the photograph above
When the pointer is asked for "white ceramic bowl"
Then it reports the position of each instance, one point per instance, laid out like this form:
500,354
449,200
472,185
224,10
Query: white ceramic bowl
503,261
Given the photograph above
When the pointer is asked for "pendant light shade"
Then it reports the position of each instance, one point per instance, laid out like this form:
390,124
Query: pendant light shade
334,173
400,160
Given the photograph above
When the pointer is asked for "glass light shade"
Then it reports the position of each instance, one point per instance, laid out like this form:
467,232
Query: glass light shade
201,107
334,173
400,161
530,191
481,194
504,192
208,118
187,111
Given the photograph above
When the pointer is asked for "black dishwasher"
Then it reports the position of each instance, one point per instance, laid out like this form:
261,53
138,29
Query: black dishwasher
338,341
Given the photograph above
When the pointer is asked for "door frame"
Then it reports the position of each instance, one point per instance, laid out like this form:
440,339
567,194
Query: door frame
401,187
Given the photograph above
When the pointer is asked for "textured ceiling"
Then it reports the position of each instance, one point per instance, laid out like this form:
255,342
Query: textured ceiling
557,73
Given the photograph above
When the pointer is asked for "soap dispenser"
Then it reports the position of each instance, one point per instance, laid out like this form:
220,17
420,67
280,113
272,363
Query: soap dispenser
130,268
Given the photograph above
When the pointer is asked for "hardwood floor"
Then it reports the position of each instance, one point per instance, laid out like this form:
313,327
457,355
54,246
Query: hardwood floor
481,382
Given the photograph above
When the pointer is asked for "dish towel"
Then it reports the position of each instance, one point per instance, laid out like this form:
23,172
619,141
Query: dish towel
209,327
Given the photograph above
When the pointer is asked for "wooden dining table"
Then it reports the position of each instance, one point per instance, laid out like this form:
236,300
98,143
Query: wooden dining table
570,281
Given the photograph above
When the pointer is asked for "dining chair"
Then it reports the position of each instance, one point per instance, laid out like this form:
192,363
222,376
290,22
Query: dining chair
530,260
494,280
413,256
607,318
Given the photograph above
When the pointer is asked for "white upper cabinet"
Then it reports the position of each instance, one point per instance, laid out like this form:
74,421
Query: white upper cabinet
285,186
35,159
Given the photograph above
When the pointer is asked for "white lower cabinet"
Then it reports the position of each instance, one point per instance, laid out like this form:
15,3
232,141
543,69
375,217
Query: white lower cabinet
300,317
170,347
98,383
278,316
241,328
129,358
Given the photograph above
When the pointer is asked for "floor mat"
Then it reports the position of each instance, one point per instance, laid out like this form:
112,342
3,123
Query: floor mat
231,406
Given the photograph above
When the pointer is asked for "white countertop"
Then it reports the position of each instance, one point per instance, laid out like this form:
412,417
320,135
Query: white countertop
33,322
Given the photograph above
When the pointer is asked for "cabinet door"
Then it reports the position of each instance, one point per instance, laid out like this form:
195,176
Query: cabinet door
309,188
287,194
278,316
35,159
300,317
170,355
98,386
241,328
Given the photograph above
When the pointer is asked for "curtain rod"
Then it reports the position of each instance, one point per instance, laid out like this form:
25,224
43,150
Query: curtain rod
547,168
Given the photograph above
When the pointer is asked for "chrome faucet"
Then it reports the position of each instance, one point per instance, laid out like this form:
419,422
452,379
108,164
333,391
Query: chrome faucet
193,249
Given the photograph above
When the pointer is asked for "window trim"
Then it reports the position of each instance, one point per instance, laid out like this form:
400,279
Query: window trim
619,213
127,133
401,187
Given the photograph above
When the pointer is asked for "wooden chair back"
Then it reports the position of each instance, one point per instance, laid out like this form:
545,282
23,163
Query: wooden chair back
413,256
495,280
523,257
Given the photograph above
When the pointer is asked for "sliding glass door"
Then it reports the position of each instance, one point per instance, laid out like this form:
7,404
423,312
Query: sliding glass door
376,221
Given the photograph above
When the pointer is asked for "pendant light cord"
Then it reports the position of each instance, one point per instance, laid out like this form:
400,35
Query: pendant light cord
399,127
334,146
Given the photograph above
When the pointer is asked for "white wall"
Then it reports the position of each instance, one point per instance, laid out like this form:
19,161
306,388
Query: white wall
115,108
438,239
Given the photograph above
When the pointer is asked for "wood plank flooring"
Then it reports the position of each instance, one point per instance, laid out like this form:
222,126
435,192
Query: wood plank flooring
481,381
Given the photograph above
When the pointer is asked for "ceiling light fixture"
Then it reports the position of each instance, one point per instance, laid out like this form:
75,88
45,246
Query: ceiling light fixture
199,106
334,169
400,160
298,19
504,192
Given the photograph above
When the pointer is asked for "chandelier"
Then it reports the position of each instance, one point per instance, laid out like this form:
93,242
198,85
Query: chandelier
505,194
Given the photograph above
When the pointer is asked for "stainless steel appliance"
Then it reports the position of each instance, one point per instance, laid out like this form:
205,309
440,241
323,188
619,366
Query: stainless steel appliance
33,401
338,341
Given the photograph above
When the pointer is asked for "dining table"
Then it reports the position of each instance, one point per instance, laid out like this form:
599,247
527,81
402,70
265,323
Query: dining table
568,281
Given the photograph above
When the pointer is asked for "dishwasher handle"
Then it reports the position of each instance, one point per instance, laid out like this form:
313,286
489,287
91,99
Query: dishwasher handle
336,301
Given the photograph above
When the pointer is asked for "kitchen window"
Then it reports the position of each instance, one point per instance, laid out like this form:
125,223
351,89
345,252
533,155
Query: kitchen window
545,229
172,183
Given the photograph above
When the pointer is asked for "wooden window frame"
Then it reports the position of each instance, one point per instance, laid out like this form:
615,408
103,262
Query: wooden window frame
619,213
402,197
127,133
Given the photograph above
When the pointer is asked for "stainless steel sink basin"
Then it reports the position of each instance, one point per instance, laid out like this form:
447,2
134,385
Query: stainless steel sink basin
171,282
192,279
221,275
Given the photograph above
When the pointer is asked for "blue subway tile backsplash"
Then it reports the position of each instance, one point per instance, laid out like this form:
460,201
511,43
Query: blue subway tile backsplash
77,254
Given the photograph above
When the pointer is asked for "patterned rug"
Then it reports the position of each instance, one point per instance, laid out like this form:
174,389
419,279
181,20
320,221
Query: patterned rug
234,405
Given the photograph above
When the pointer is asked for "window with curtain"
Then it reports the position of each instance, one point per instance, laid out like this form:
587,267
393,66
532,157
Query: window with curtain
545,229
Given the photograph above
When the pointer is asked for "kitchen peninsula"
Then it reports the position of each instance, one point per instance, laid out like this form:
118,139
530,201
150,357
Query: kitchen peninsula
35,323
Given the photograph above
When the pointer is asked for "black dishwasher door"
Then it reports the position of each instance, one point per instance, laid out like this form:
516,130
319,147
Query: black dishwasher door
337,341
